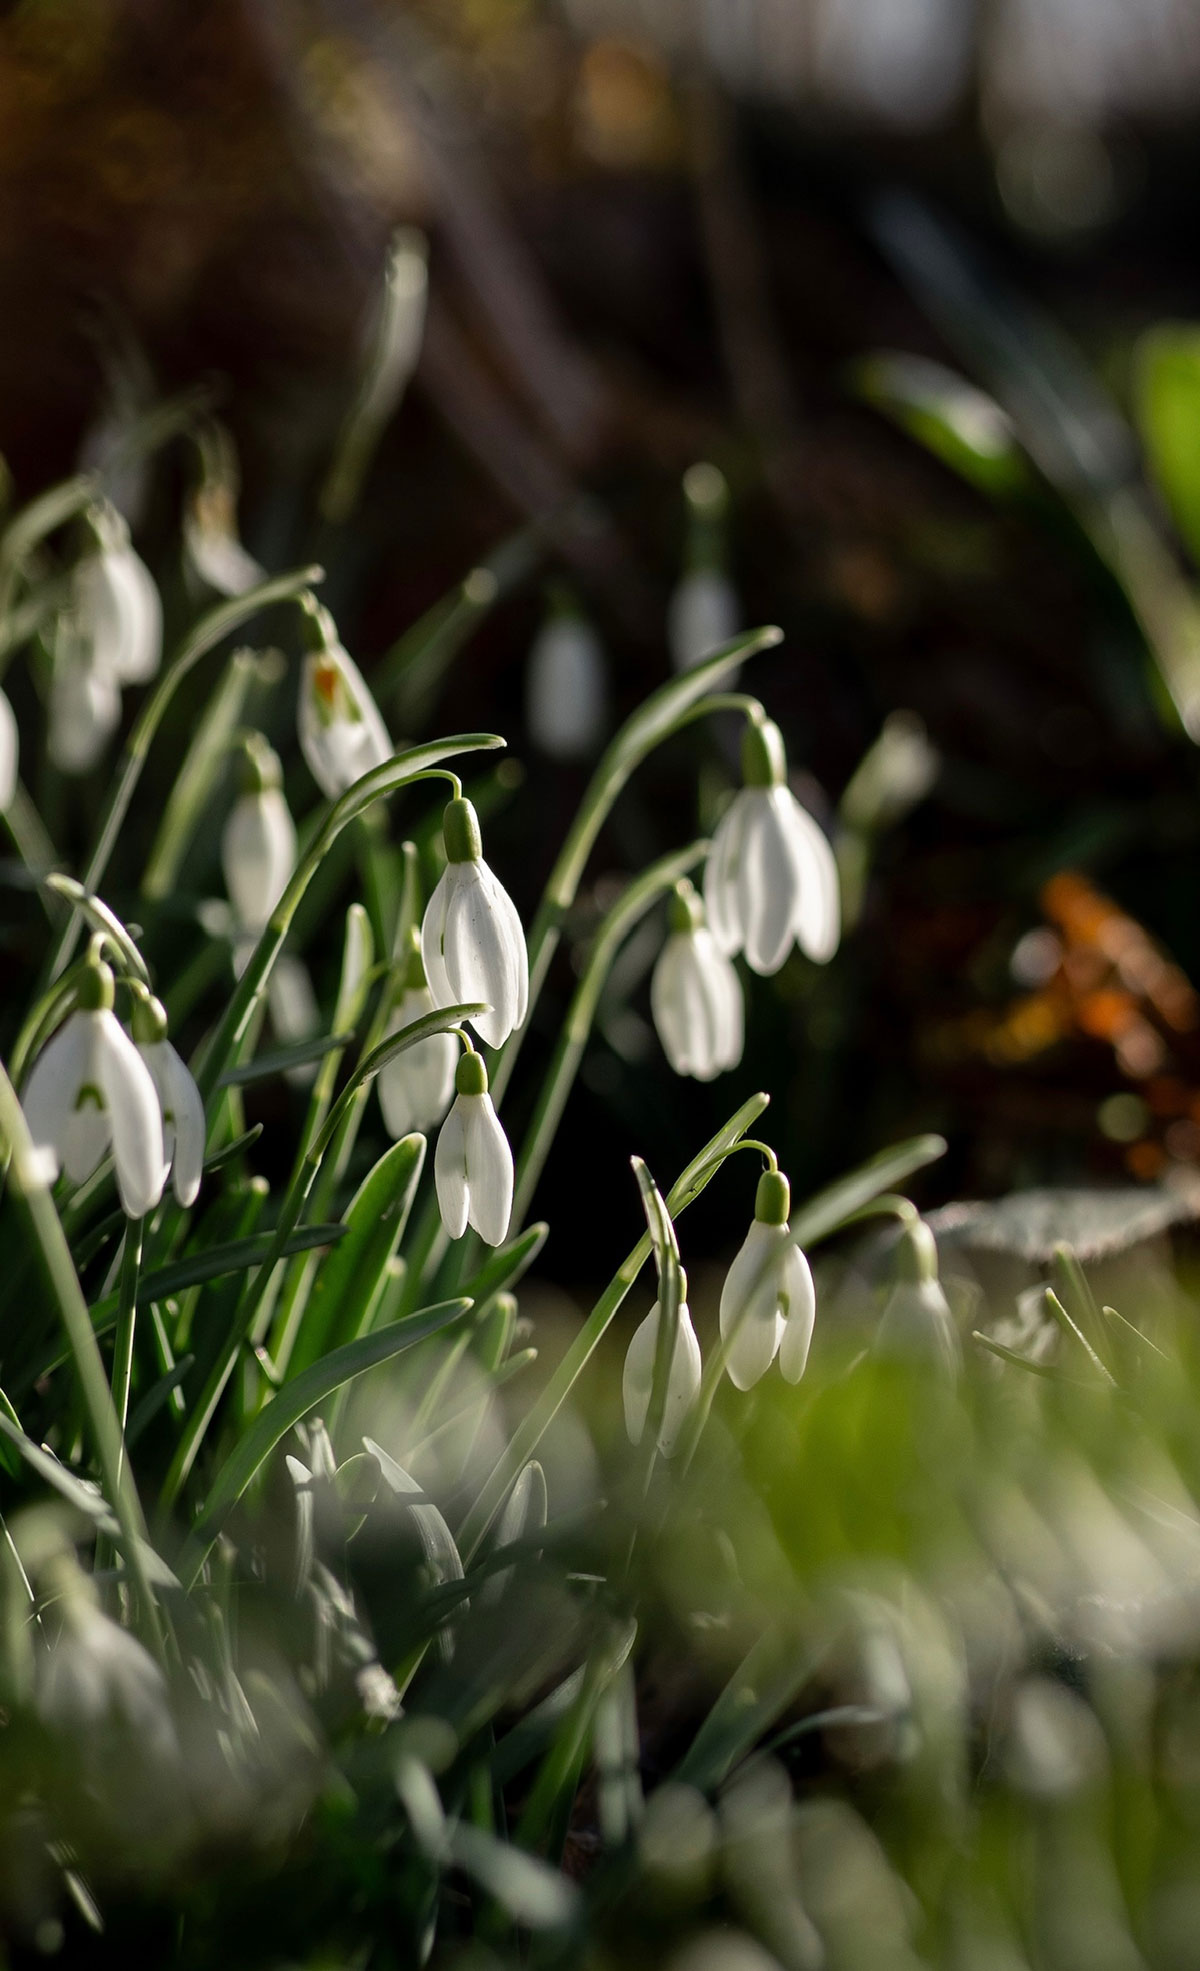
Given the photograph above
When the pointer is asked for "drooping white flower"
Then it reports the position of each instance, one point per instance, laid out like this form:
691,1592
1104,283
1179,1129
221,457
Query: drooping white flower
564,687
768,1303
9,753
116,605
342,735
683,1378
472,943
90,1091
95,1677
258,843
701,616
417,1087
183,1124
916,1324
696,995
771,879
210,540
85,706
473,1165
703,610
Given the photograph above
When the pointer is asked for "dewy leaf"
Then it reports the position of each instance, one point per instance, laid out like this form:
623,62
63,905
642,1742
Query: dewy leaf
294,1401
1167,407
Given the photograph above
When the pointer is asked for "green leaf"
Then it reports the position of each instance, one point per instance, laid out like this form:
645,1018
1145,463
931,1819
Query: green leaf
351,1276
1167,408
294,1401
437,1541
757,1694
828,1211
506,1265
98,914
953,419
236,1257
282,1060
86,1500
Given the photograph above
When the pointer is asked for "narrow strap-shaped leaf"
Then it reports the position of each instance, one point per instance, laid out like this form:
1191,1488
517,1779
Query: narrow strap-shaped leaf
294,1401
828,1211
86,1500
350,1277
759,1691
281,1060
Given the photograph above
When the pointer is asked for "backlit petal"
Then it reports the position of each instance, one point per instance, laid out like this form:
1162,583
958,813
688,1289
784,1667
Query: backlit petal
750,1304
489,1170
132,1101
800,1306
450,1172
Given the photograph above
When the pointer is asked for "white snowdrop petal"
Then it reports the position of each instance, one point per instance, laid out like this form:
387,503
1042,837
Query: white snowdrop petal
188,1126
450,1172
258,854
564,689
132,1101
417,1087
728,1003
720,878
750,1304
683,1380
295,1014
696,1000
433,934
342,735
480,958
766,885
84,712
489,1170
670,1006
219,558
917,1325
701,616
800,1307
50,1094
818,910
514,931
87,1133
9,753
142,610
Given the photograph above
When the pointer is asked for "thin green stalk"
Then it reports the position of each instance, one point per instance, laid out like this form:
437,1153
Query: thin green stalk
37,1207
559,1079
131,1266
212,629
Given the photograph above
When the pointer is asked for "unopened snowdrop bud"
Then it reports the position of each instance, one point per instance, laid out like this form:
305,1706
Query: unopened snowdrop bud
768,1302
703,610
696,995
258,844
564,686
183,1126
472,943
116,605
683,1379
210,533
473,1165
771,879
916,1324
341,733
85,706
416,1088
90,1091
9,753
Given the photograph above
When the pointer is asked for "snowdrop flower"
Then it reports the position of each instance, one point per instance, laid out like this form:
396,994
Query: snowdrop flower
417,1087
9,753
183,1125
90,1091
258,843
95,1676
916,1324
703,610
471,937
701,616
683,1379
85,706
696,995
768,1302
473,1165
210,541
564,686
116,605
771,878
341,733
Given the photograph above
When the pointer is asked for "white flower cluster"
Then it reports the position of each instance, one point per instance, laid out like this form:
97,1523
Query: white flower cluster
770,882
108,636
93,1091
768,1307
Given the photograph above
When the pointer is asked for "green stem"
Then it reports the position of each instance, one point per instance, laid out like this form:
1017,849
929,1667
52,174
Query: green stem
53,1254
131,1266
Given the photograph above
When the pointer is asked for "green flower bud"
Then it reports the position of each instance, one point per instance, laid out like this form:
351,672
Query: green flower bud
148,1023
764,761
97,989
460,832
471,1075
773,1200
